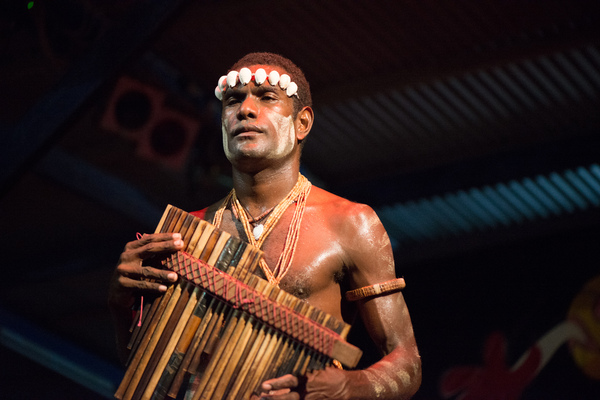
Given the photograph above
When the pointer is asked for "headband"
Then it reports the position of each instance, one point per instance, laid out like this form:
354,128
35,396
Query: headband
244,76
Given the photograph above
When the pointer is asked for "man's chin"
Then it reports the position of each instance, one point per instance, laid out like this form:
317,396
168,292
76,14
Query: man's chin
245,156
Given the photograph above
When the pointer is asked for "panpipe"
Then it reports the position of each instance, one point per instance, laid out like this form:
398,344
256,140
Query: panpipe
224,324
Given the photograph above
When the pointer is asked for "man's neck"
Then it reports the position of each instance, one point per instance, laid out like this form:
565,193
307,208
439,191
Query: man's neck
258,192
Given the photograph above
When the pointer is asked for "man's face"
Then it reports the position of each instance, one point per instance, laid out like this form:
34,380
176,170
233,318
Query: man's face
258,121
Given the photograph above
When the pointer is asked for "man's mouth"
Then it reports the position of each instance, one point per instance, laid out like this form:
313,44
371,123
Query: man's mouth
246,129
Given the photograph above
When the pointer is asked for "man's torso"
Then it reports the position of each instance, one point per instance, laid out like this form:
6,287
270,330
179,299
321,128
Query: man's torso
321,260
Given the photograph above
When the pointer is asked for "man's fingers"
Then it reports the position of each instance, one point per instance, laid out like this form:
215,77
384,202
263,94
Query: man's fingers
159,283
277,395
156,242
154,248
159,274
284,382
137,272
150,246
150,286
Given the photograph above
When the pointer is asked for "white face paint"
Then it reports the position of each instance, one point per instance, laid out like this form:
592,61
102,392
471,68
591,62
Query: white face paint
276,142
286,134
269,109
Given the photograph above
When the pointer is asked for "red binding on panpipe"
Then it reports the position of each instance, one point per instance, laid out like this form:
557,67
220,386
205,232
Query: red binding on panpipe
246,298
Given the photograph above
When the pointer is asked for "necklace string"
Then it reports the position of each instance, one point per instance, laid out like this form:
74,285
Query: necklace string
262,216
299,195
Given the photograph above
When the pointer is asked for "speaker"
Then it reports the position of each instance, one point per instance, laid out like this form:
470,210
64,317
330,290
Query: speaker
169,139
137,111
132,108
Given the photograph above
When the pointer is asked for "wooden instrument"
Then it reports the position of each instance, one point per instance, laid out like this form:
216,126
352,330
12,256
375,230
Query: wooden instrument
224,324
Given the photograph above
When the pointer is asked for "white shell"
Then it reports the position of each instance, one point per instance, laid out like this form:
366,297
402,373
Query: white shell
222,82
292,89
260,76
219,93
284,81
257,231
232,78
245,75
274,78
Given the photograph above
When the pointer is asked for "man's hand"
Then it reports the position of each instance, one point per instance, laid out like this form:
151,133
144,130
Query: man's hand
283,388
133,275
330,383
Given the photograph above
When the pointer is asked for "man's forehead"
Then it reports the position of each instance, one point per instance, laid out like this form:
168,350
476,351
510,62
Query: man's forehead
252,87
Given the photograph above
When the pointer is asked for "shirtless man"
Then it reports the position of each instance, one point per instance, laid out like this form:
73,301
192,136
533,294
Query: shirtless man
335,245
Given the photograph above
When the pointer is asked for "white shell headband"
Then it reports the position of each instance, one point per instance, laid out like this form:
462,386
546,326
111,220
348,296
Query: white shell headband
244,76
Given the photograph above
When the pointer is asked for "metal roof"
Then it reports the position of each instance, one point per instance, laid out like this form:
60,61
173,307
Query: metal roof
501,204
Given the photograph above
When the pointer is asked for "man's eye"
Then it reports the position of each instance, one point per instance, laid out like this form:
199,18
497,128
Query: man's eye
269,97
231,100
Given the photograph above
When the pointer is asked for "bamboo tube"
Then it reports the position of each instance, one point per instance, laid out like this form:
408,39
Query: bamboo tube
194,236
194,346
281,352
274,343
251,353
238,355
257,378
226,357
172,375
172,343
175,363
231,333
151,342
265,341
169,215
149,308
173,317
211,335
137,355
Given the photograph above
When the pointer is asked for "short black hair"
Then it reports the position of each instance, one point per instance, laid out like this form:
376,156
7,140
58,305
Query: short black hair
304,98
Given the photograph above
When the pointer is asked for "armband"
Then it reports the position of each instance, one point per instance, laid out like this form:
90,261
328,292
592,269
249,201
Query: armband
376,289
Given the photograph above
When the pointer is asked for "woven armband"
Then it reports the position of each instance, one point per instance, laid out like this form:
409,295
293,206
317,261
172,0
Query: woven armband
376,289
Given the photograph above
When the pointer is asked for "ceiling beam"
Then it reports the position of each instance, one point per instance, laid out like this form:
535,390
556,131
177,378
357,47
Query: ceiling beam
86,179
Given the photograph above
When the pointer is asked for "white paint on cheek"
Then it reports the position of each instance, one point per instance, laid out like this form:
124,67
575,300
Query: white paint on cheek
225,141
286,133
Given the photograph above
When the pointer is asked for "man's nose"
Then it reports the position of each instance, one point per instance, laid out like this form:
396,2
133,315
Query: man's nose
248,108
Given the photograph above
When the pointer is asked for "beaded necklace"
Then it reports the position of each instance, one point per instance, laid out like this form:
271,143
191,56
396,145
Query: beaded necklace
257,237
257,229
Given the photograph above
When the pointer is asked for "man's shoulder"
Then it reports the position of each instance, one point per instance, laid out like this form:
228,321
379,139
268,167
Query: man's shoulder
356,227
335,205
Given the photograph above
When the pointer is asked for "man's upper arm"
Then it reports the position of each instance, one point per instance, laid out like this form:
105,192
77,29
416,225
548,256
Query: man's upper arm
371,259
385,316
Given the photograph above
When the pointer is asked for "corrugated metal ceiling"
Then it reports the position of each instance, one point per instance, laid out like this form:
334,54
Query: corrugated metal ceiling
460,116
552,97
502,204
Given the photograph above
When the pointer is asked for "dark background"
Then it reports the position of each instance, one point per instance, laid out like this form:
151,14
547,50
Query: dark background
470,127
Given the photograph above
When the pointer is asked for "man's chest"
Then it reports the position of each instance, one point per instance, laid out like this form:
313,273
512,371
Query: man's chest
317,262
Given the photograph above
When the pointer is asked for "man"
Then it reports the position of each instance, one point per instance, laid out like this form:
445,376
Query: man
317,245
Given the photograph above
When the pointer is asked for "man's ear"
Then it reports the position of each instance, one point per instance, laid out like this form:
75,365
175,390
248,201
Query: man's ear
304,122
